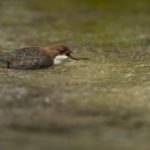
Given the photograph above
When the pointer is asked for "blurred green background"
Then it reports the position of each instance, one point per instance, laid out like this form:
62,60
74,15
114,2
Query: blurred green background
98,103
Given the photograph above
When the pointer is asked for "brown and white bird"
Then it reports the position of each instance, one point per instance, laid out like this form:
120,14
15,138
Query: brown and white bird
36,57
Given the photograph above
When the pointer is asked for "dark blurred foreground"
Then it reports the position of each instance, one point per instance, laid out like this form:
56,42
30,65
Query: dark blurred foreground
100,103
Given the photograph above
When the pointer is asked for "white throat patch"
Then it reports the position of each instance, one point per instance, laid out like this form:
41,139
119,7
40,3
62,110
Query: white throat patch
59,59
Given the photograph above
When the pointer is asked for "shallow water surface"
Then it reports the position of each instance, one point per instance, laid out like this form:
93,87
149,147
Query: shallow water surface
99,102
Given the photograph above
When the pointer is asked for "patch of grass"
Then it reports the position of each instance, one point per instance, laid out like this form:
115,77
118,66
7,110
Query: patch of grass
110,91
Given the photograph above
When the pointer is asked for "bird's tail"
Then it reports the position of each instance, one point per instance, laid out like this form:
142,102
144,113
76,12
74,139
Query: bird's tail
3,57
3,60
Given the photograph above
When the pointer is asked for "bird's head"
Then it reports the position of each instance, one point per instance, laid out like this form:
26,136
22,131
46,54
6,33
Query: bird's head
61,52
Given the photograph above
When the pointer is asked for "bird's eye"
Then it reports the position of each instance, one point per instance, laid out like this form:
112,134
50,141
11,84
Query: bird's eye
62,51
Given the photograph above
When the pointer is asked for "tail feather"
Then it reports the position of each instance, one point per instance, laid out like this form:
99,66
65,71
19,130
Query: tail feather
4,57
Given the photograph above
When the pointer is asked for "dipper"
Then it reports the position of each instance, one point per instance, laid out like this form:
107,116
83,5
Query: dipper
36,57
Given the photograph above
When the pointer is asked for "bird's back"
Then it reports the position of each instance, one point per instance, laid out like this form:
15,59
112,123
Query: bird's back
25,58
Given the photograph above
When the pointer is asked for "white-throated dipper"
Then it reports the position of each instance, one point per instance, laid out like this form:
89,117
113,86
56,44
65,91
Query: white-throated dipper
36,57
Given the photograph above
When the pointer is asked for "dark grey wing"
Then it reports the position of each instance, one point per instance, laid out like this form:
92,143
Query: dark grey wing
26,58
31,63
20,53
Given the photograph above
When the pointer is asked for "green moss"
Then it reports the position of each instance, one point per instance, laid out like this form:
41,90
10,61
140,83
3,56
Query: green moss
104,97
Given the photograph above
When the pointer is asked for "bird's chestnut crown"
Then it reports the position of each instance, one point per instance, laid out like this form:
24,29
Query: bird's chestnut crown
62,49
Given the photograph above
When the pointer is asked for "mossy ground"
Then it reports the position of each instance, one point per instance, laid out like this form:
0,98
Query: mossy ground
100,103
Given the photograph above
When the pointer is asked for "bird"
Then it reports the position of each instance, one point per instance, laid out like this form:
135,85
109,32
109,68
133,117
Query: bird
36,57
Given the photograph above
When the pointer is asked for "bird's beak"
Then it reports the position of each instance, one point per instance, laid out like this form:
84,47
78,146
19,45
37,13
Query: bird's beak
72,57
